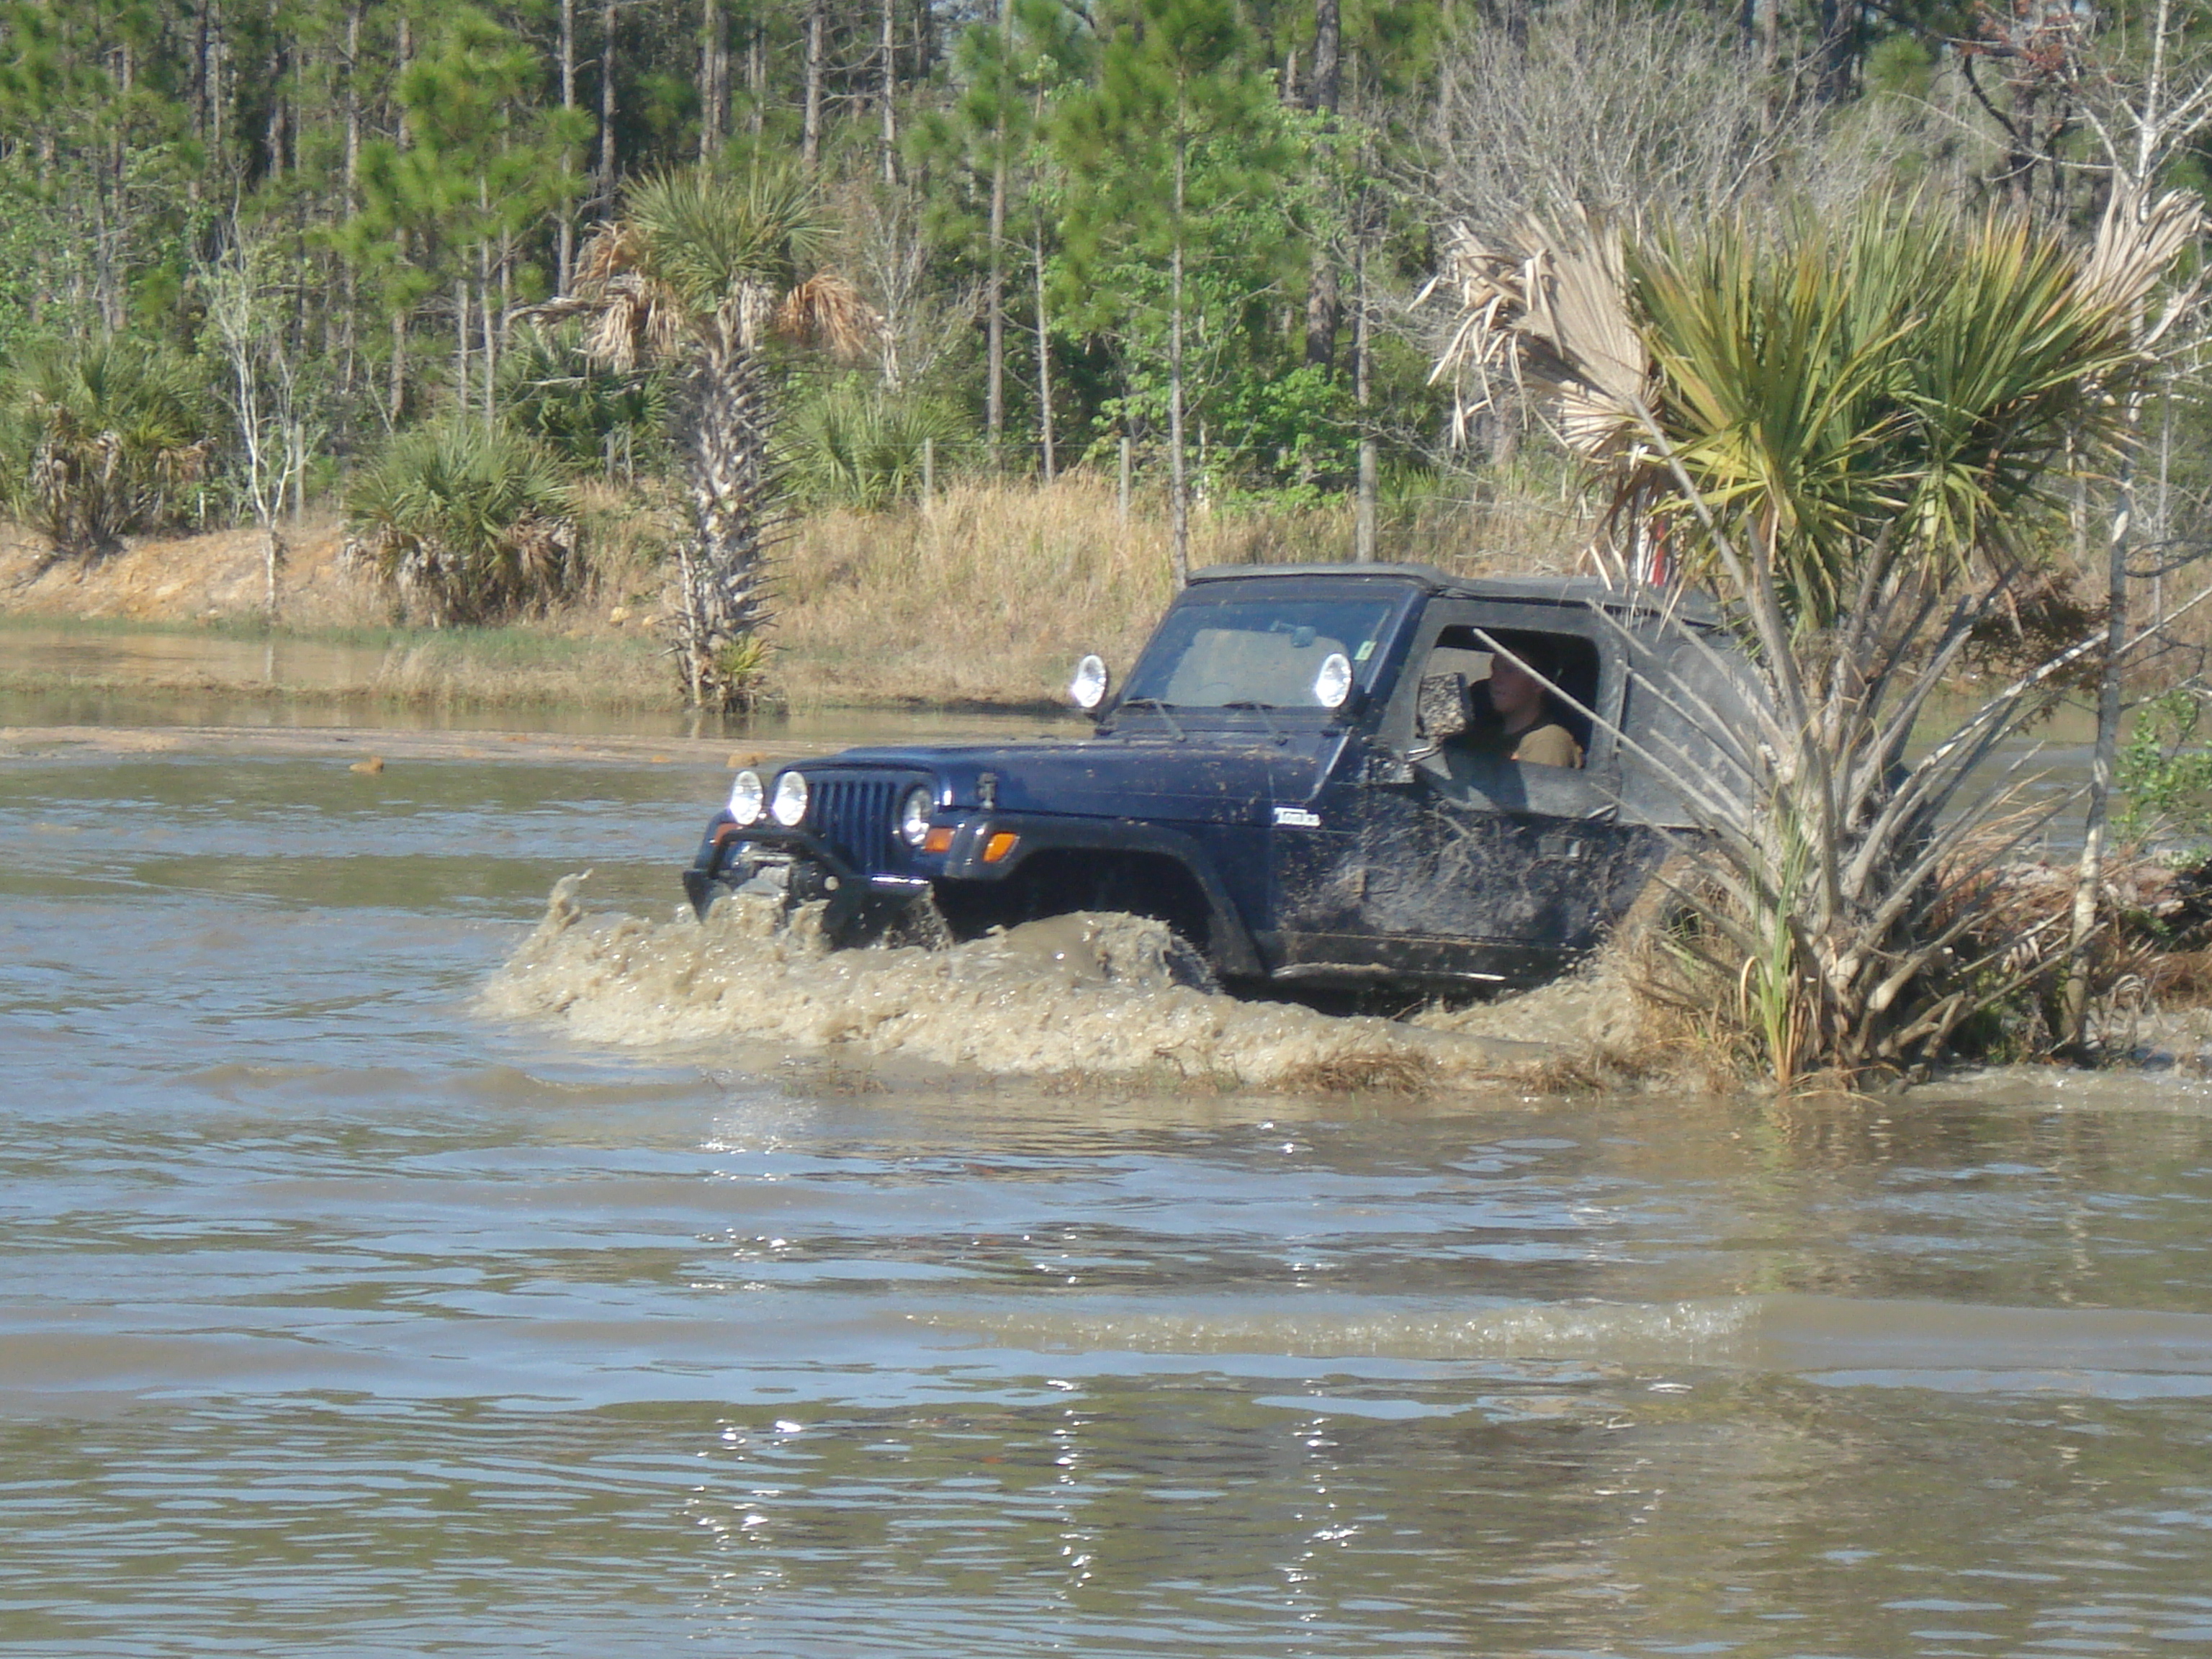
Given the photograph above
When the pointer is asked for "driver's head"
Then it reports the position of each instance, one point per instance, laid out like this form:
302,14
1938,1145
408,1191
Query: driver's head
1517,673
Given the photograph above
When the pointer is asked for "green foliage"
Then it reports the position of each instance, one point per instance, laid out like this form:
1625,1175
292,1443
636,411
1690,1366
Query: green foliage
473,523
101,438
582,410
1885,389
856,446
475,163
2163,775
708,238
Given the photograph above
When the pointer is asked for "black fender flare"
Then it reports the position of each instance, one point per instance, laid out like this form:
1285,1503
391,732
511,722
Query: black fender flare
1231,944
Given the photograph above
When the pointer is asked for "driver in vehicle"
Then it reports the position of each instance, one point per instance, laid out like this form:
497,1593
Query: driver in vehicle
1527,729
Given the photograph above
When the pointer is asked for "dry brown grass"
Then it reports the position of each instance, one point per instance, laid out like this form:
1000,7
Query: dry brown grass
1375,1072
987,598
991,593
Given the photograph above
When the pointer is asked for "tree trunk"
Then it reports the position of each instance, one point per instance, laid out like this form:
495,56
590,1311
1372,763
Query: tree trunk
713,76
1363,512
2089,877
756,76
994,281
890,85
608,167
349,278
1178,479
1043,351
564,247
810,132
1328,74
1839,30
723,600
272,555
1324,303
995,311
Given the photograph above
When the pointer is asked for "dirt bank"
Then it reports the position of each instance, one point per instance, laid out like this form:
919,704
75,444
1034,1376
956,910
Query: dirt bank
191,581
984,599
174,613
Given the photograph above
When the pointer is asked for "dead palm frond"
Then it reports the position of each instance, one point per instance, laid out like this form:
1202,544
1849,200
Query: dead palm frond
1549,313
825,312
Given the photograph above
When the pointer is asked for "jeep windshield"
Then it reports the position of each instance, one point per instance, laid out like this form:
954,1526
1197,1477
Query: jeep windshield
1260,653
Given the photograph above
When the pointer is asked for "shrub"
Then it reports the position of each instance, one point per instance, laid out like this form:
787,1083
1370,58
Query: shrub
856,446
473,523
100,438
584,412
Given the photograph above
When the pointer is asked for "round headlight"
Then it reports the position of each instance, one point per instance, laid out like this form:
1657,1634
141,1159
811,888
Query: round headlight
913,816
789,805
1088,689
747,798
1332,684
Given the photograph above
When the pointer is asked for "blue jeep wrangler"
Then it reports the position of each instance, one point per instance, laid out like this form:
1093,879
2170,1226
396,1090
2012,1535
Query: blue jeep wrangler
1297,777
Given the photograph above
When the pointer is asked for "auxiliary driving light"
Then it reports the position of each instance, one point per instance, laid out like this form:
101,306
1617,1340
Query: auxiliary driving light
789,806
913,816
747,798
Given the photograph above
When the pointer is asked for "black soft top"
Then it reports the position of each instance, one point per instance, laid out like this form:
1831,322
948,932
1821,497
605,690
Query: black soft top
1580,590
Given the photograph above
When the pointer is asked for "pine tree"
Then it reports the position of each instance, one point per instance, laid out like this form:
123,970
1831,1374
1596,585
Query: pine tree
1180,128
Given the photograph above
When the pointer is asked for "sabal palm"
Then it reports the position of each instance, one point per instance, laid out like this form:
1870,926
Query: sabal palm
1849,428
109,433
698,272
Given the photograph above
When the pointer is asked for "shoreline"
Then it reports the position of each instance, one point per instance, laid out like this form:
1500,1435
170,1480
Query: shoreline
520,668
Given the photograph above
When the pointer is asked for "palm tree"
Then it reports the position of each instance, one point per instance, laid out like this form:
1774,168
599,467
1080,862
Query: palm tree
1853,433
475,523
698,272
103,437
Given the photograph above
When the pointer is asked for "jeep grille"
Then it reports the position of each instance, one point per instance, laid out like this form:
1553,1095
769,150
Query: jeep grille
854,816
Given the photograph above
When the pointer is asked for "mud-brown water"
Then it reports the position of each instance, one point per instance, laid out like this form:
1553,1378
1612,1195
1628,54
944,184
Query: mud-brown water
359,1299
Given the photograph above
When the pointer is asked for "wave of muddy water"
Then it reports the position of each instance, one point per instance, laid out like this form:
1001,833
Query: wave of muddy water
1088,994
342,1314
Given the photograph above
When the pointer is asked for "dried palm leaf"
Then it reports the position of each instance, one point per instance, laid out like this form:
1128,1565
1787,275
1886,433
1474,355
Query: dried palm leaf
1551,312
827,312
2136,244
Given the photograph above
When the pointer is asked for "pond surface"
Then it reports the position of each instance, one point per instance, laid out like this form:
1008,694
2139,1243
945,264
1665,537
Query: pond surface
339,1316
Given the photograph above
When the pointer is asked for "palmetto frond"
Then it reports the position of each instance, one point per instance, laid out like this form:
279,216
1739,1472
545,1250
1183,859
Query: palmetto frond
827,313
1549,312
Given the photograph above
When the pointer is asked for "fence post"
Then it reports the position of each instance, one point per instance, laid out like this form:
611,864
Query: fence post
928,473
1122,501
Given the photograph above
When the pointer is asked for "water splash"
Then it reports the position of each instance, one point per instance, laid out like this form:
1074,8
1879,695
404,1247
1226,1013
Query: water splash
1082,993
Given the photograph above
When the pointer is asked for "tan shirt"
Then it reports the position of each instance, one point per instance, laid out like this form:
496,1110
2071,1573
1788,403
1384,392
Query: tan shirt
1548,743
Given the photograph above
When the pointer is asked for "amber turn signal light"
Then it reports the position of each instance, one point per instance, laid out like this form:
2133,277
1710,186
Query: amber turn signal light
938,840
996,849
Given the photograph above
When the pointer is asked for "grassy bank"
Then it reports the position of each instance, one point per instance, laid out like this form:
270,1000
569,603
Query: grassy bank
984,598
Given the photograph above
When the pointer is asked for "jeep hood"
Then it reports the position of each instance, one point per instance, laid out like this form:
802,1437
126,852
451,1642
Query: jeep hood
1205,780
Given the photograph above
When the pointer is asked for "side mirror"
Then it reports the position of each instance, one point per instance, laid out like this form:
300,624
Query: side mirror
1440,713
1087,691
